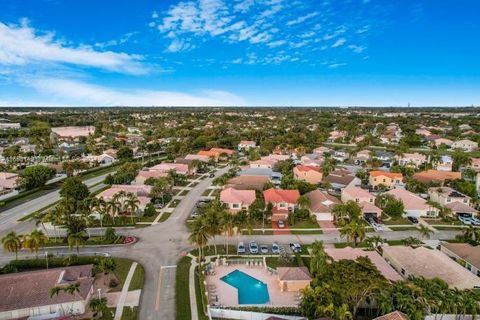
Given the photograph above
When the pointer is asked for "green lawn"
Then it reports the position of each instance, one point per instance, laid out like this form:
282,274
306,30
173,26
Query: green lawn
405,228
165,216
452,222
130,313
210,250
319,231
138,278
275,262
206,192
182,294
184,193
454,227
397,221
121,271
200,297
174,203
257,232
305,224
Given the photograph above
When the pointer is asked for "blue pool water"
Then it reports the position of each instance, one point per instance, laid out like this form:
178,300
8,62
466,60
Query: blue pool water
250,290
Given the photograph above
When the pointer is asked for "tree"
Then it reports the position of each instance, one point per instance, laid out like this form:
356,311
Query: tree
132,204
98,307
394,208
74,188
374,242
460,159
411,241
303,202
424,231
319,258
76,239
199,236
227,224
35,176
106,265
353,231
349,210
34,241
471,235
12,243
125,153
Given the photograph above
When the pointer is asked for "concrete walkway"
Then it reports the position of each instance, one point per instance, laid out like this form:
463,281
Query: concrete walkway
123,295
191,288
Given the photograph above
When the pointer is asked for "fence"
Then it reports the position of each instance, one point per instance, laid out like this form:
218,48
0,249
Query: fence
246,315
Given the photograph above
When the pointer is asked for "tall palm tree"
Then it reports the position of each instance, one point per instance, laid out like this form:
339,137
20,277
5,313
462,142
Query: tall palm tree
353,231
55,291
76,239
12,243
212,220
35,240
304,202
199,236
471,234
424,231
100,206
227,224
132,204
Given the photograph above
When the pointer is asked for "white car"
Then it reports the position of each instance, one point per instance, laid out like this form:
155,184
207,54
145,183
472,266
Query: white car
377,227
295,247
263,248
465,220
253,247
275,248
240,248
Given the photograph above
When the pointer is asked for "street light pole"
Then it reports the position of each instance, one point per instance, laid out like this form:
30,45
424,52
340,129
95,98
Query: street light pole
99,293
46,257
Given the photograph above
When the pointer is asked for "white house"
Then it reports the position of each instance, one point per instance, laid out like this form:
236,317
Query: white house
465,145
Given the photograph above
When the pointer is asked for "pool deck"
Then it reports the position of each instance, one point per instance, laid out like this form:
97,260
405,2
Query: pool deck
228,296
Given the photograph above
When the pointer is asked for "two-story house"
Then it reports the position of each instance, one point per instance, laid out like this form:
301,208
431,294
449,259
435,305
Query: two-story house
237,200
390,180
283,201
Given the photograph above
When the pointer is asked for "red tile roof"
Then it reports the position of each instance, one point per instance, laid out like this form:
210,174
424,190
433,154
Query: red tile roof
280,195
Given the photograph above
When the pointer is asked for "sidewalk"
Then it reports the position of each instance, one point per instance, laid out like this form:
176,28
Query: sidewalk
123,295
191,288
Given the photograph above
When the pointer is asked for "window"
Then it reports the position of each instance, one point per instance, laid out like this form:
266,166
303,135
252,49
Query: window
235,205
282,205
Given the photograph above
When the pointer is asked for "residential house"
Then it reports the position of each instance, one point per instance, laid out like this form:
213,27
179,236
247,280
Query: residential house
222,151
365,200
104,159
309,174
8,181
465,254
335,135
9,125
143,175
209,154
386,157
465,145
293,278
237,200
247,182
283,201
411,159
349,253
477,183
321,150
72,133
430,264
340,179
340,155
322,204
394,315
141,191
263,163
414,206
436,176
362,157
26,295
444,164
273,176
390,180
439,141
311,159
246,145
179,168
457,202
475,164
190,157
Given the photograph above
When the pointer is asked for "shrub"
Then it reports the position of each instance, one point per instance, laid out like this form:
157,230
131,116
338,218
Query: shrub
149,210
110,235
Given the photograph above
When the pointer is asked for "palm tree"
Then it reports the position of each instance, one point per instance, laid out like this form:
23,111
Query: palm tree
76,239
424,231
410,241
72,288
35,240
132,204
471,234
98,307
12,243
212,220
227,224
343,313
100,206
374,241
199,236
353,231
55,291
107,266
303,202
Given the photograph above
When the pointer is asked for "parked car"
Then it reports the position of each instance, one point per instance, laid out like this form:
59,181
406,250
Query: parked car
240,248
465,220
253,247
211,175
377,226
412,219
475,221
158,206
295,247
281,224
264,248
275,248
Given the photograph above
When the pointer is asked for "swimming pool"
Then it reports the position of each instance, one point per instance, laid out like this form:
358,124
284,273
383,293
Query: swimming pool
250,290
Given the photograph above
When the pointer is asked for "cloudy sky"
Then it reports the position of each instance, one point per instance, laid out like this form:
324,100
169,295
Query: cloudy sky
239,52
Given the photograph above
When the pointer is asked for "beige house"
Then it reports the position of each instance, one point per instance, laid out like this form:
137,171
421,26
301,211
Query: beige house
465,145
411,159
390,180
308,174
465,254
293,278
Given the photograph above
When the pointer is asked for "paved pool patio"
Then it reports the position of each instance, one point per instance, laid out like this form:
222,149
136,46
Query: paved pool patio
227,295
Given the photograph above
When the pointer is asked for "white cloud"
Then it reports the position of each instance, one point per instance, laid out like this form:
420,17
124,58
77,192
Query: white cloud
356,49
336,65
340,42
74,92
276,43
178,45
244,5
22,45
302,19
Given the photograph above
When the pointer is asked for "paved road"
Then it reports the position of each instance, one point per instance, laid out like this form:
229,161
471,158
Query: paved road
161,246
9,218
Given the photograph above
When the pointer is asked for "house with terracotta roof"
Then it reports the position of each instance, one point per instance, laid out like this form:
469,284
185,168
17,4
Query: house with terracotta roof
365,200
141,191
456,201
349,253
246,145
237,200
283,201
293,278
414,206
390,180
411,159
143,175
465,254
309,174
436,176
248,182
395,315
72,133
179,168
209,154
8,181
465,145
221,151
190,157
322,150
430,264
322,204
26,295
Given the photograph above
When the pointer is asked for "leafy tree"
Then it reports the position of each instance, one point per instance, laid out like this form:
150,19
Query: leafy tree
394,208
12,243
125,154
349,210
74,188
99,307
34,241
35,176
354,231
76,239
199,235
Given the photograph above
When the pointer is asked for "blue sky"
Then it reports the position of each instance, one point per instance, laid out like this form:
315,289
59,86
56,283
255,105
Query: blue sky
239,52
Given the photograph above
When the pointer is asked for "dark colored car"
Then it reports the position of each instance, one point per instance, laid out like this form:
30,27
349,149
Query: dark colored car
412,219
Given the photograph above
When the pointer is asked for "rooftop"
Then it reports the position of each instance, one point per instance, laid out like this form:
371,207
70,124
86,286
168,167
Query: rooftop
466,251
280,195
